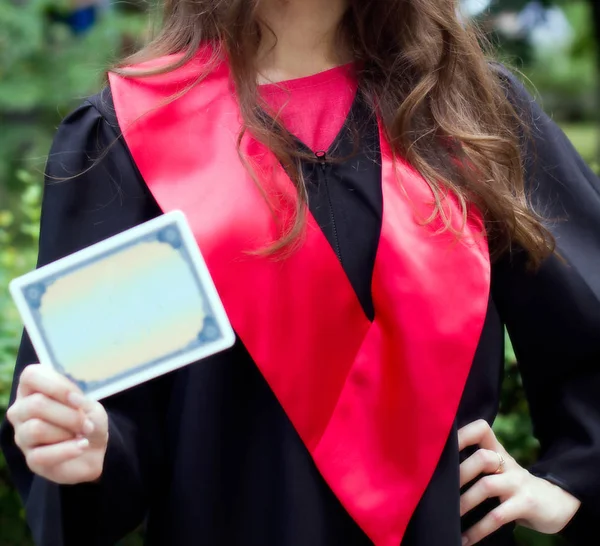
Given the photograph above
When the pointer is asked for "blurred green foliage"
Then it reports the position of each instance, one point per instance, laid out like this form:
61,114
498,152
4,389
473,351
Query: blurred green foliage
43,71
567,78
14,260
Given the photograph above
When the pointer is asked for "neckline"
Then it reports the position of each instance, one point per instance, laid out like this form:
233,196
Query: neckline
332,152
311,80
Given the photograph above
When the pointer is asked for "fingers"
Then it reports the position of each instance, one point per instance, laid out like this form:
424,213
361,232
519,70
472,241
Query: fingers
479,434
483,461
499,485
55,424
40,406
508,485
507,512
35,433
98,417
43,379
44,457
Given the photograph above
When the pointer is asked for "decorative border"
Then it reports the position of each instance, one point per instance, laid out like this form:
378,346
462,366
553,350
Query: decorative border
171,235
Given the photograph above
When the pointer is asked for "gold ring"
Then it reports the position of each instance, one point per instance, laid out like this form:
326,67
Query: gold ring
501,463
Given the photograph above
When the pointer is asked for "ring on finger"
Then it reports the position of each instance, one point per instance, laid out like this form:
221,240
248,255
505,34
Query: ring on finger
501,463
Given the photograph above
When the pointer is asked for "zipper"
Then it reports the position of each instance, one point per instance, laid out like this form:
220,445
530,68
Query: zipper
322,159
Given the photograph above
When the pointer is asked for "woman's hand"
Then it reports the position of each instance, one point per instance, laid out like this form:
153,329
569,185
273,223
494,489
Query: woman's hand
525,499
62,434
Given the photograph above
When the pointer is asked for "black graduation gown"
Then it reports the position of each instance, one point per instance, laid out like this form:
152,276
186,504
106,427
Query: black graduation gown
207,455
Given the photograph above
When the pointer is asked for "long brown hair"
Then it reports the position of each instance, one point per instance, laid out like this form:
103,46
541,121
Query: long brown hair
442,105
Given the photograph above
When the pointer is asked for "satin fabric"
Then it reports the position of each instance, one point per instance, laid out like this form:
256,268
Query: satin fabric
373,402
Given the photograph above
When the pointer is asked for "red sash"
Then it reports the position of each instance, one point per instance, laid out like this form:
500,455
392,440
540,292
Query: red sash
373,402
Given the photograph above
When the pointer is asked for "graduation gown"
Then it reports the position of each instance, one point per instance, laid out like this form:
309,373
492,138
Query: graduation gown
222,451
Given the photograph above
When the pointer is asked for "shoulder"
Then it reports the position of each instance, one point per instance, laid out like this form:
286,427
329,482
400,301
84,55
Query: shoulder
508,79
89,158
543,143
135,88
92,187
169,75
160,86
102,104
88,129
523,101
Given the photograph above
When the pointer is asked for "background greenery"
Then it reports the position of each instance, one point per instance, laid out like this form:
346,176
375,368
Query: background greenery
45,69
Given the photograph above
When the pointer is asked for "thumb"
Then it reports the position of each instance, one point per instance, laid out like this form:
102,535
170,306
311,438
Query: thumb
97,416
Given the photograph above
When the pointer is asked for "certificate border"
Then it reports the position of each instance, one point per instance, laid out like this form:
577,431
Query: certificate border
171,228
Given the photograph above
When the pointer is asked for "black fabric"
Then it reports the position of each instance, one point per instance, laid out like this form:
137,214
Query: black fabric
553,315
207,454
343,186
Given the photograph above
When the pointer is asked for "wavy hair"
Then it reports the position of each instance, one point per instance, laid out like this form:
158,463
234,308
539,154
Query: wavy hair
442,104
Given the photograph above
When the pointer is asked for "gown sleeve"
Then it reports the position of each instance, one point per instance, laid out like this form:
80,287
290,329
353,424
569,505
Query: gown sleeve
553,315
84,202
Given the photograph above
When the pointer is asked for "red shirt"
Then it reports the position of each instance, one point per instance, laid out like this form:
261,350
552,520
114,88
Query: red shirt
314,108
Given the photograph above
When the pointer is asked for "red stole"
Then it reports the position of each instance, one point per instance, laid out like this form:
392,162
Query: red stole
373,402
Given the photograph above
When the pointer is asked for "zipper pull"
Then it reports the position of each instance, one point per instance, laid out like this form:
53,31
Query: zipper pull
322,158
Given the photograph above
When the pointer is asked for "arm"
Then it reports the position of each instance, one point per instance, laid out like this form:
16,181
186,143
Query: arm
553,315
78,211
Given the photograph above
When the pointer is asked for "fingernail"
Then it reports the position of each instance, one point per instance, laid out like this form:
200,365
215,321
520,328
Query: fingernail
88,427
83,444
76,400
465,541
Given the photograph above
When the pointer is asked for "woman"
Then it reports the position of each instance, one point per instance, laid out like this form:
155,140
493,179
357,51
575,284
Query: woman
365,189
